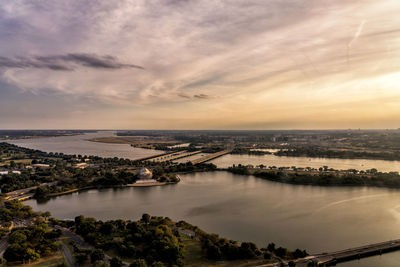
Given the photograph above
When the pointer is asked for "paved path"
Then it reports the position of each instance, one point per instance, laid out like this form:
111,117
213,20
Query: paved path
3,245
68,256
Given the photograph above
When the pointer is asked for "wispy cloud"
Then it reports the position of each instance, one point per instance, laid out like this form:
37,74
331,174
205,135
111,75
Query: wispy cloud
269,55
66,62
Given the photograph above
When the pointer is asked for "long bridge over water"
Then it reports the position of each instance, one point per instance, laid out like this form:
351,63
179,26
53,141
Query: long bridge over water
210,157
182,154
332,258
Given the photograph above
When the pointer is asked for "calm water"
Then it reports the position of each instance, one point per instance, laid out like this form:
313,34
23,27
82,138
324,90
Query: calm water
340,164
79,144
246,208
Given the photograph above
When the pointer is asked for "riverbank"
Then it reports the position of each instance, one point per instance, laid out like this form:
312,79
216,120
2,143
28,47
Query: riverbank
327,177
149,184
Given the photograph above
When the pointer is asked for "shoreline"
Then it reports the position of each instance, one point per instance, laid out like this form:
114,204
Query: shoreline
150,184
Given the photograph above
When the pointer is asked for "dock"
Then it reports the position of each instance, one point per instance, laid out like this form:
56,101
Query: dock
212,156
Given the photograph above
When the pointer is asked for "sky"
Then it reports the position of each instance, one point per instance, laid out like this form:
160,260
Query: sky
199,64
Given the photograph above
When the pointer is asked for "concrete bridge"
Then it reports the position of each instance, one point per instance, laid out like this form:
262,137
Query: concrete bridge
332,258
212,156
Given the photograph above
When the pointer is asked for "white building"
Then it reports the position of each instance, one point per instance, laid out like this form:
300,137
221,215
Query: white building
3,172
145,174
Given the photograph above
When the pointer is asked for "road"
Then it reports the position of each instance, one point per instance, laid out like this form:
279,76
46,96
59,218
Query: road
210,157
81,243
3,245
68,256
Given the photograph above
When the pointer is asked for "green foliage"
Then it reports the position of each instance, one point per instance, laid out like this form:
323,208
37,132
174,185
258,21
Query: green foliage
30,243
101,263
150,238
138,263
13,210
97,255
116,262
324,177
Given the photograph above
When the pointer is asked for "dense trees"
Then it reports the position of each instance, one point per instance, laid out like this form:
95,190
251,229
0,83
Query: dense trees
14,210
327,153
30,243
150,239
324,177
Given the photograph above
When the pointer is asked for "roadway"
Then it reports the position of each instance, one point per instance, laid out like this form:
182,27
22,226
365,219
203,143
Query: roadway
211,156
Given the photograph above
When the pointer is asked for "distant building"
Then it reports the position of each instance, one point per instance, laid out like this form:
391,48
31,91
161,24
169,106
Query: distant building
145,174
3,172
81,165
40,165
16,172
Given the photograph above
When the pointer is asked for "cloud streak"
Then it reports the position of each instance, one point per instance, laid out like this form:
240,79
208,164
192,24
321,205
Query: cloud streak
66,62
280,61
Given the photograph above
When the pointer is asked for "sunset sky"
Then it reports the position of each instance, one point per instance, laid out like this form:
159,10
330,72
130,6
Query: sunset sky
199,64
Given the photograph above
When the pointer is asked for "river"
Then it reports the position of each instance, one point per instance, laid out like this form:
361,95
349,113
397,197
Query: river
245,208
80,144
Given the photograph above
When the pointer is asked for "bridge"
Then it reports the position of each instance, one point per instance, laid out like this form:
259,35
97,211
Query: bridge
175,156
212,156
332,258
153,157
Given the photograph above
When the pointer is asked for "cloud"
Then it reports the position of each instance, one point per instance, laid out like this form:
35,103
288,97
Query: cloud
66,62
202,96
266,54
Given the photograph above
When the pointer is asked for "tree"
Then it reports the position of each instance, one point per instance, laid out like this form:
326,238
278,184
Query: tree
17,237
97,255
46,215
138,263
146,218
116,262
101,263
271,247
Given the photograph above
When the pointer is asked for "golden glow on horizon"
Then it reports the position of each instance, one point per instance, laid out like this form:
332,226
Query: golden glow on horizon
208,65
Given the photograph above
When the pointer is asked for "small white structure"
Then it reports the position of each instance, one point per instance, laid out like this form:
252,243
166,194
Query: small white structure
40,165
16,172
81,165
145,174
3,172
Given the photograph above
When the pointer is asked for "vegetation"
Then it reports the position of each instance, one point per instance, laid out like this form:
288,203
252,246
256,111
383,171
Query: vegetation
328,153
15,210
323,176
31,243
53,173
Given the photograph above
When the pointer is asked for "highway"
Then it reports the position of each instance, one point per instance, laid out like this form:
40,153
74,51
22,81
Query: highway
332,258
357,253
212,156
